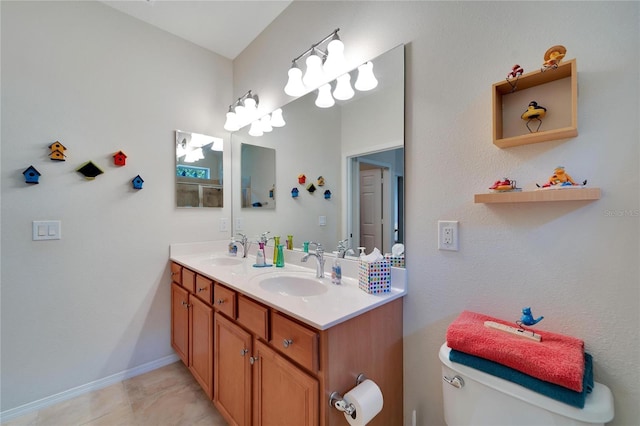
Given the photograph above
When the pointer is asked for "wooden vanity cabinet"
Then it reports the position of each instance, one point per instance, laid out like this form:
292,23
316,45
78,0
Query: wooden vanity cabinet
266,368
180,322
192,327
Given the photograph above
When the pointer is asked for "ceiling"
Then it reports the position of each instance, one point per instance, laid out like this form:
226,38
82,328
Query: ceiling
224,27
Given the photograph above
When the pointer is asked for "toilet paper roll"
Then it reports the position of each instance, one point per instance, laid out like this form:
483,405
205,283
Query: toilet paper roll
367,400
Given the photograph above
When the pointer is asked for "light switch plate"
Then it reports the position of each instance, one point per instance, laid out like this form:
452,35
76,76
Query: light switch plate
46,230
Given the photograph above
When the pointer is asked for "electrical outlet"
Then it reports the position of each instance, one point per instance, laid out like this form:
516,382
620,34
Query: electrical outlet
448,235
224,224
239,224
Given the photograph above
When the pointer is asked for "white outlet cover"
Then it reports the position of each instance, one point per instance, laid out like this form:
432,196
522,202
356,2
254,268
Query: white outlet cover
446,242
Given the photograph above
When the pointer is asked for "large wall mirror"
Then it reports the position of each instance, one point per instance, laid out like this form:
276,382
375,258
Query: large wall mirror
354,150
198,170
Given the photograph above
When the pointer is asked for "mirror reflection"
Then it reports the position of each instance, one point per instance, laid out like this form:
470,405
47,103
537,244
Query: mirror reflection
198,170
258,177
329,147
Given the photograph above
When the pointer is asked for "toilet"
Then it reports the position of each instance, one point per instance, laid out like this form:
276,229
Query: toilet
472,397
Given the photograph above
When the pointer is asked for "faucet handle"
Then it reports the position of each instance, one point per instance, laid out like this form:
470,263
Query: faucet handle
263,237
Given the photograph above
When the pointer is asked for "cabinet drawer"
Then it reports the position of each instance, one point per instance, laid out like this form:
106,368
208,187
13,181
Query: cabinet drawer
189,280
203,288
224,300
176,273
253,316
295,341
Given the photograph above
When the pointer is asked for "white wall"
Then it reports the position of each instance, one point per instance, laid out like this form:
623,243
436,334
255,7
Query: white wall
97,302
575,263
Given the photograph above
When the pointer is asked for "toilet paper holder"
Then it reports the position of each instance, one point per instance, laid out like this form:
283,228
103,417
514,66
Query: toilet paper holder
337,401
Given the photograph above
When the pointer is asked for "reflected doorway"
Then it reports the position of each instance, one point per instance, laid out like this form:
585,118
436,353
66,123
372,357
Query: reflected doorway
376,201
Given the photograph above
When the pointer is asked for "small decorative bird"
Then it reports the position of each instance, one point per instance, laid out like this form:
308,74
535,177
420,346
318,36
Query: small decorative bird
527,317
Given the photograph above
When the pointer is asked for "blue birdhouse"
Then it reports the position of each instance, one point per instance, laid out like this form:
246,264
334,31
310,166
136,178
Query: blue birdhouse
327,194
137,182
31,175
294,192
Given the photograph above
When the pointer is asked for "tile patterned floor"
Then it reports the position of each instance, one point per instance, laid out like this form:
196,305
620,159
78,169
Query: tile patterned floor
168,396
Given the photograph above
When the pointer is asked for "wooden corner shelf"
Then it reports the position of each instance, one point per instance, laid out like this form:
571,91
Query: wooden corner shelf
555,89
575,194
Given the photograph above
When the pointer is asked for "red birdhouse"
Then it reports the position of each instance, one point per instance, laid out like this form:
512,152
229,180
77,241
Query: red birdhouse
119,158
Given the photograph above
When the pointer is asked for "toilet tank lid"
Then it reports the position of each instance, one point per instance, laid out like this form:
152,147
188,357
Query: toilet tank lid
598,407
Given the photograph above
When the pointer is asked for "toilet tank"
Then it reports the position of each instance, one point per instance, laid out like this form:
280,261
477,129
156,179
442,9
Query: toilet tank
488,400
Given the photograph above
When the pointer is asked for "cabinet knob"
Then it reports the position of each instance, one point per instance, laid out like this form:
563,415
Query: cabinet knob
287,342
201,289
243,352
253,360
185,304
220,301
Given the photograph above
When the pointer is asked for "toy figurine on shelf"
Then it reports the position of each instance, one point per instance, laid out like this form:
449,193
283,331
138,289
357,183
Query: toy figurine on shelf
515,73
504,185
552,57
561,179
534,112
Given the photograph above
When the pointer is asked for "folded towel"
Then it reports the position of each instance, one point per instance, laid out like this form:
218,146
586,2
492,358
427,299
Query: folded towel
556,359
551,390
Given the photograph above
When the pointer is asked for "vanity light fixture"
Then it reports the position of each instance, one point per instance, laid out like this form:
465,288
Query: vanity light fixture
324,99
322,66
241,111
343,90
256,128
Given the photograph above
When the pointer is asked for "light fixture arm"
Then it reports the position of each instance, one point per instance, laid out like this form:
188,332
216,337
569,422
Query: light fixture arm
332,35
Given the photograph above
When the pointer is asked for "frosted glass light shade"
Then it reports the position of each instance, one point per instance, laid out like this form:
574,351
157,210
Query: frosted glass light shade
324,99
256,129
343,90
217,144
335,62
314,75
232,122
265,123
366,80
294,86
277,120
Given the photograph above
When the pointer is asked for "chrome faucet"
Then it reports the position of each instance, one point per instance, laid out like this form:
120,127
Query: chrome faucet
319,255
344,250
246,244
263,237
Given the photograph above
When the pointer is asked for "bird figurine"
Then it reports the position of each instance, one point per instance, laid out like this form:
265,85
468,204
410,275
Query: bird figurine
534,112
527,317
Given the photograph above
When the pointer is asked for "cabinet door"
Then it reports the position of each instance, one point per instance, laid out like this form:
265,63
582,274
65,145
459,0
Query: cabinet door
201,344
283,394
180,322
232,371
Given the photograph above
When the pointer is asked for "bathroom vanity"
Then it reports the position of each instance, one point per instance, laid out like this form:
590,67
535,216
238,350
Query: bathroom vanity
269,345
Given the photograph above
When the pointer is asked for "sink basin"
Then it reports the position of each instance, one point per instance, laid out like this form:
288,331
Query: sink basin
222,261
293,284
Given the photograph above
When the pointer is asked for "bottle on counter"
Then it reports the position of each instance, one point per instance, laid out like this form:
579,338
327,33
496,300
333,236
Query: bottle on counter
280,262
260,255
336,272
276,243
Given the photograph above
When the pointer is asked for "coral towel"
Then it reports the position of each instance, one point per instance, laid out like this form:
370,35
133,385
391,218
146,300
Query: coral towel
556,359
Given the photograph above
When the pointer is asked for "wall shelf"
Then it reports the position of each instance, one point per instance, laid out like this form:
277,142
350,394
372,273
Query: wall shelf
575,194
555,89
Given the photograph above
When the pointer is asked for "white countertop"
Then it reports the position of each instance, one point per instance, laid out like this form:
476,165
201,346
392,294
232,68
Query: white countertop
339,303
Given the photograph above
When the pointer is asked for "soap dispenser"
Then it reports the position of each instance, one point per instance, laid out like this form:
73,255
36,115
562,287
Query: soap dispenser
233,247
276,243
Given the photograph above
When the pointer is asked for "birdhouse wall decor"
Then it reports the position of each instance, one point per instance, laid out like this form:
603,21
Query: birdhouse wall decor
311,188
320,181
119,158
137,182
295,193
57,151
89,170
327,194
302,179
31,175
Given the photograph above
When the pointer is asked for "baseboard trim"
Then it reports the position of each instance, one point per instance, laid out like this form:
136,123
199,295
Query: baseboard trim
86,388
